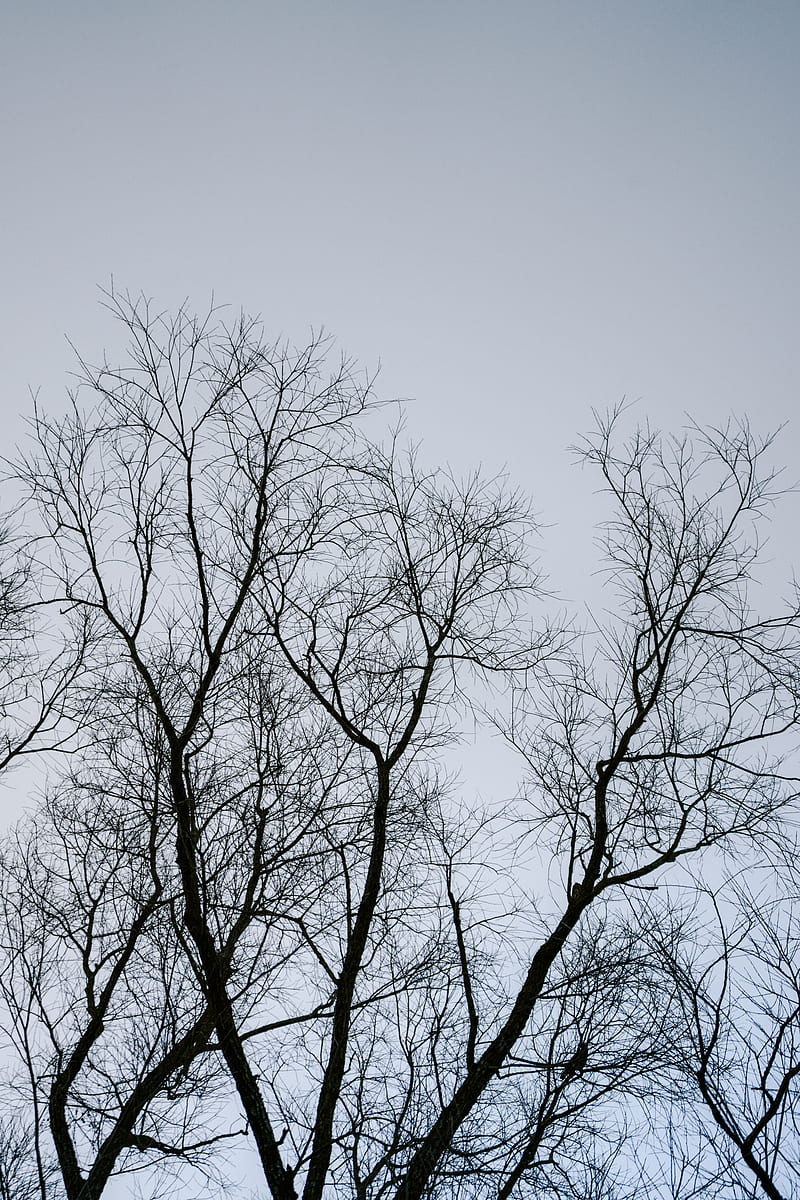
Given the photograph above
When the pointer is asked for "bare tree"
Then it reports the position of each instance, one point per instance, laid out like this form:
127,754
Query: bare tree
38,661
647,744
739,988
106,1022
407,1002
98,981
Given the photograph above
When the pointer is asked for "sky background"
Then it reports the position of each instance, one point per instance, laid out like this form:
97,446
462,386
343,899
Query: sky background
524,211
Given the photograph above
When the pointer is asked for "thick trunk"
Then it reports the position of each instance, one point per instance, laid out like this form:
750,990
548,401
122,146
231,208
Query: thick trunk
215,986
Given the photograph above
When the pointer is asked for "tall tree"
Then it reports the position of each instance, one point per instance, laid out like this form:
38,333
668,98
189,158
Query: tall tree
412,998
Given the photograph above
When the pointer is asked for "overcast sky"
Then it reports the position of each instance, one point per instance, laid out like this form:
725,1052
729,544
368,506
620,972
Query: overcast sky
524,210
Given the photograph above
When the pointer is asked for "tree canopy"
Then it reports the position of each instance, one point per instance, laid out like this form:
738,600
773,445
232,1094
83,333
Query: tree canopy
257,903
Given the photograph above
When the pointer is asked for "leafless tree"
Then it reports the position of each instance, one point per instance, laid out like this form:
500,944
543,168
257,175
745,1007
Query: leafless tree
95,993
407,1001
38,662
739,988
99,984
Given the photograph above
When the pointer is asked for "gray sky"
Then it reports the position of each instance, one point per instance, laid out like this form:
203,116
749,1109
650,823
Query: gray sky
524,210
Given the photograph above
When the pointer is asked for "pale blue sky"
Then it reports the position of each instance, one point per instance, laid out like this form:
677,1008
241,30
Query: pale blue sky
523,209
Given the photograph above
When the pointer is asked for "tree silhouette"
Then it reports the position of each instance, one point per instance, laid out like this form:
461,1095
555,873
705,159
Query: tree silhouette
282,915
